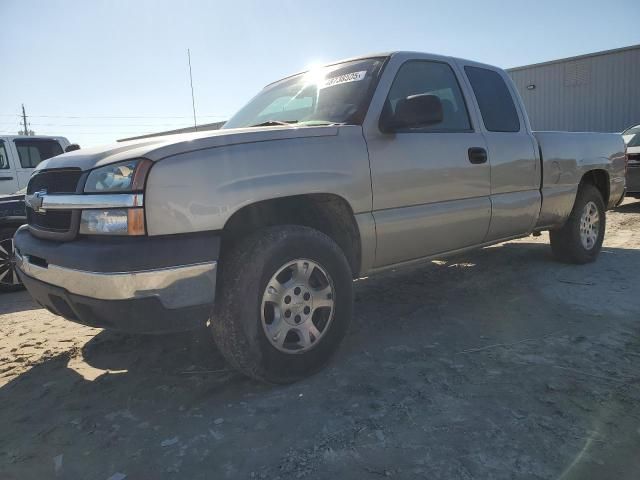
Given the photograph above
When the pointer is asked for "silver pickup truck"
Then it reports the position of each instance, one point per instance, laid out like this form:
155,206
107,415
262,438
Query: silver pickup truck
258,229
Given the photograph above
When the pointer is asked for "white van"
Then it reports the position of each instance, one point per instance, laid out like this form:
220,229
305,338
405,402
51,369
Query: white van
19,155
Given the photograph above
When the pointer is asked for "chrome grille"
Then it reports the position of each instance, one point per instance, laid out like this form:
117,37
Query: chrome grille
58,222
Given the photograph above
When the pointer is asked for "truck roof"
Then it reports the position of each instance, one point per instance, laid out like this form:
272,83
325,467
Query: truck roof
407,53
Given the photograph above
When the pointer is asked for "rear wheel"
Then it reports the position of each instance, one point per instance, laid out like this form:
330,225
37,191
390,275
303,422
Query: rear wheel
580,239
284,303
9,280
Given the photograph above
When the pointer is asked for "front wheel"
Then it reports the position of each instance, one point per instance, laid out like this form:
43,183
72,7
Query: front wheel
284,303
580,239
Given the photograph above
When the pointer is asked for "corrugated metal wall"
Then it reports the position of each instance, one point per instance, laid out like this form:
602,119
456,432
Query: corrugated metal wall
599,93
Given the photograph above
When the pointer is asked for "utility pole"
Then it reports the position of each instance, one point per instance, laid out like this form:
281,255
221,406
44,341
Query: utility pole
193,100
25,129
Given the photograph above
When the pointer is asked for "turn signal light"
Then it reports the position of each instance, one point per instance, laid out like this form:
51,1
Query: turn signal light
135,224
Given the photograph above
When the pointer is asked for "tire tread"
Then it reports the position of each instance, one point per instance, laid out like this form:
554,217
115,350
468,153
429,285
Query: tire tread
240,266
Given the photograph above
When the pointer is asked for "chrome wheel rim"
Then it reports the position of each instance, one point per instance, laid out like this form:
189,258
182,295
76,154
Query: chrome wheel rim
8,274
297,306
589,225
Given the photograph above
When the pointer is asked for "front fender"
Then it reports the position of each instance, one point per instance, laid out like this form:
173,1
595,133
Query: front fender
199,191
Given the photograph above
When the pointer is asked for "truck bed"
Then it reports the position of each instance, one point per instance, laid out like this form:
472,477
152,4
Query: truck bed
565,157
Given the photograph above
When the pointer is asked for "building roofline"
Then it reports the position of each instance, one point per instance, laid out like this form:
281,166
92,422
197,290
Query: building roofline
577,57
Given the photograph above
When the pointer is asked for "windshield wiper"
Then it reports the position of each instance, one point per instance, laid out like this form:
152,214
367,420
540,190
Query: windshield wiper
271,123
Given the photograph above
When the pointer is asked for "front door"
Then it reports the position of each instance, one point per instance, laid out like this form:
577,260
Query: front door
430,194
8,175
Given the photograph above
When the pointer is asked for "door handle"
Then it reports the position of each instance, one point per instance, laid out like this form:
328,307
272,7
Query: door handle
477,155
6,178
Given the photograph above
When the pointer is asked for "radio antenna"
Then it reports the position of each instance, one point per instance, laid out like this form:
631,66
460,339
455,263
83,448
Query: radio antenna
193,99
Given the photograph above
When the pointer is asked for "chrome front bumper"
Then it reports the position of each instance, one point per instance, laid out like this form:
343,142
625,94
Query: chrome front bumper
175,287
137,284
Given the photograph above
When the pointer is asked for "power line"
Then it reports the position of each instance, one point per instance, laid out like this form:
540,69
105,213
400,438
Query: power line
77,134
103,132
66,132
183,124
111,116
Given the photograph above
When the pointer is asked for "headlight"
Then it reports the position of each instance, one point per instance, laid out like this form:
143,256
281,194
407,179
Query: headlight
126,176
119,221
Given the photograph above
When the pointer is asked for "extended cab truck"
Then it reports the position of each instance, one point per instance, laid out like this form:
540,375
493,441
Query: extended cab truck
323,177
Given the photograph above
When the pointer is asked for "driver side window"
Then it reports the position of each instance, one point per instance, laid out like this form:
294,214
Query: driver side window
418,77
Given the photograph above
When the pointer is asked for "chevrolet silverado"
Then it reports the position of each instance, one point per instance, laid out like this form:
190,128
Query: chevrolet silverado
258,229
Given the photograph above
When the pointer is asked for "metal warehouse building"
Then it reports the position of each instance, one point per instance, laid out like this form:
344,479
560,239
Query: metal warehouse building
596,92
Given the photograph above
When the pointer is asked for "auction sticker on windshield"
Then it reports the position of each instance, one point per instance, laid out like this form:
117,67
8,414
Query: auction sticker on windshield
346,78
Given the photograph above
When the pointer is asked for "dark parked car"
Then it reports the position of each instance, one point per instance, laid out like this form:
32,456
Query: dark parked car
12,215
631,138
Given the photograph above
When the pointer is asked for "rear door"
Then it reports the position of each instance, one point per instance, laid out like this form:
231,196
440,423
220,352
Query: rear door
32,151
8,174
428,196
513,156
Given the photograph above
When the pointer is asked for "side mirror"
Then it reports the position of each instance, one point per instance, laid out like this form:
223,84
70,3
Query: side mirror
72,147
413,112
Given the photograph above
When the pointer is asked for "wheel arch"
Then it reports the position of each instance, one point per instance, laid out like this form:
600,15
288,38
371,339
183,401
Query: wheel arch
330,214
599,178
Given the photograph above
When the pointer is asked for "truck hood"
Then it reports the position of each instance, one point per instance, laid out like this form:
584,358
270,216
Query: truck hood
157,148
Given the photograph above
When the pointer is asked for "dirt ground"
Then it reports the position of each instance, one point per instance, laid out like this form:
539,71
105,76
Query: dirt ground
498,364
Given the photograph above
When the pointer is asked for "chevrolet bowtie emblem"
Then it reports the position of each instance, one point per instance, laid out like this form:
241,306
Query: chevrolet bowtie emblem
35,200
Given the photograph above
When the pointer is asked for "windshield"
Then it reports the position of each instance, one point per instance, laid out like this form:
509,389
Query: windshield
334,94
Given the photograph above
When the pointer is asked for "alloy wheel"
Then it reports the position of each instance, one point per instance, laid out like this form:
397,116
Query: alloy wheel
297,306
589,225
8,274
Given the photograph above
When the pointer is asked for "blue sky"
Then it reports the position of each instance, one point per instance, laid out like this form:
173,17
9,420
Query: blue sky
96,71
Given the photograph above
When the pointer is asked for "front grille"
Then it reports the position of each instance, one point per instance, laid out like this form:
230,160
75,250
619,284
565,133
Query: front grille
55,181
55,222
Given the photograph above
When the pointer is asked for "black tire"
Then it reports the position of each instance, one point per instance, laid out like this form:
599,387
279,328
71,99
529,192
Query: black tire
566,243
6,269
236,322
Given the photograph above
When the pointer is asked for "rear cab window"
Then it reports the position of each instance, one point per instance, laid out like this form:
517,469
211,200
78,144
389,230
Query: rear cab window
33,151
496,104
